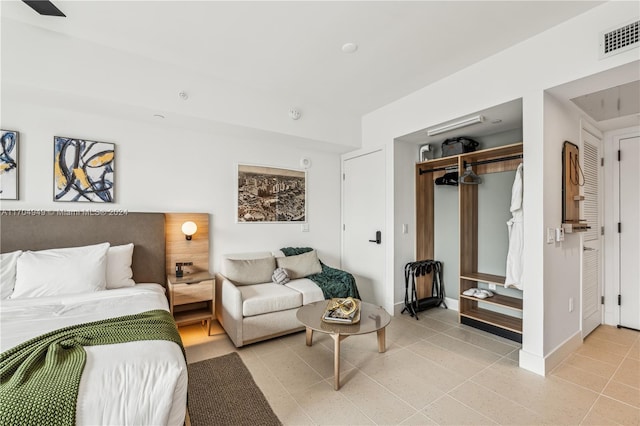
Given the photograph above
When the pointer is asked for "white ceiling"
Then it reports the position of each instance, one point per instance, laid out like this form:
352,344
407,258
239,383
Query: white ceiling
611,98
614,102
291,50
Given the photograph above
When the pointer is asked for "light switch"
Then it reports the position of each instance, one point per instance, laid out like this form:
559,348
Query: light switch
559,234
305,227
550,235
405,228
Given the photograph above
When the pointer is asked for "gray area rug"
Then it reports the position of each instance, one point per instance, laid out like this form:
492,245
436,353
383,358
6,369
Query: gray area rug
223,392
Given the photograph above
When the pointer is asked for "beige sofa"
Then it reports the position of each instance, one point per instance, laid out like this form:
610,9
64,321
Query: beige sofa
251,307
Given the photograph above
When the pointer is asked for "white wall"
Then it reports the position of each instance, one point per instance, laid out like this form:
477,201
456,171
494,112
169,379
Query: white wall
562,54
405,158
160,168
561,259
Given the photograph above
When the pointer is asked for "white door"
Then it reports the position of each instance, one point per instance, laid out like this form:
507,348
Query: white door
629,296
363,212
591,240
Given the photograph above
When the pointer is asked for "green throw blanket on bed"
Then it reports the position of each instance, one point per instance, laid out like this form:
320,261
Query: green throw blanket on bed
39,379
332,281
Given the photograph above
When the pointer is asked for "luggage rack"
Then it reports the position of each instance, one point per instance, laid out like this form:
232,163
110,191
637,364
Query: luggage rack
412,304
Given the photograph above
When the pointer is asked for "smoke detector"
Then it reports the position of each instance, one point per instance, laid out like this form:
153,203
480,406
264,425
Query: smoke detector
349,47
183,96
294,113
305,162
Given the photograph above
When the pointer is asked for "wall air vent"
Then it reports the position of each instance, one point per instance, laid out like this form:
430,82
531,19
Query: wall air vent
618,40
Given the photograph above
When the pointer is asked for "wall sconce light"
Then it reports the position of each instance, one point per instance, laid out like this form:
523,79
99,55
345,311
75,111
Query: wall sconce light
188,229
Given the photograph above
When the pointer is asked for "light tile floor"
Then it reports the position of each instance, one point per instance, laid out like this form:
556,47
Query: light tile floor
436,371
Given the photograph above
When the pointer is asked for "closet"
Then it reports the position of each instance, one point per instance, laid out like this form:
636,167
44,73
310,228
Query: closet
500,314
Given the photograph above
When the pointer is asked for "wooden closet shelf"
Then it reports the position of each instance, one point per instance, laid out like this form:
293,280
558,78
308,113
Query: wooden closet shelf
499,300
492,160
494,318
484,278
489,153
451,161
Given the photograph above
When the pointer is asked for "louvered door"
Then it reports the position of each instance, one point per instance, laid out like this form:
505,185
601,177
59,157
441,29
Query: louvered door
591,253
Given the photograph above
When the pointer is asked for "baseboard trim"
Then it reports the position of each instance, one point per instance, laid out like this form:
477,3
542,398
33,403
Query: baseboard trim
544,365
562,351
452,304
531,362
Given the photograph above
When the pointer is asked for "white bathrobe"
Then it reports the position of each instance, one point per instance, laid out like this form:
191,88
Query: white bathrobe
516,231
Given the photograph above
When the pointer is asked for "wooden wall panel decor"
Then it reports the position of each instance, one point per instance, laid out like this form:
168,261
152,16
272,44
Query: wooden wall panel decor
179,249
572,180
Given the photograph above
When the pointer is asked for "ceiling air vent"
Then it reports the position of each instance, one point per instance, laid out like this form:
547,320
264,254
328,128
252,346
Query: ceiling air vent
618,40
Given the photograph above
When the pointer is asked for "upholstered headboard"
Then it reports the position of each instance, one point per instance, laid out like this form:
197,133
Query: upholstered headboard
29,231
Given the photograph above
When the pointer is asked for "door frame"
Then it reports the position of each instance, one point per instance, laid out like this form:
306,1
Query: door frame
387,236
611,217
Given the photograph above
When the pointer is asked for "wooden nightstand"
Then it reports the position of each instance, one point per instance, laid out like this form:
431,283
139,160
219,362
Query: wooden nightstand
191,298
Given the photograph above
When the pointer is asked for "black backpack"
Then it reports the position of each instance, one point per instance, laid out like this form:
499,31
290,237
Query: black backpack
455,146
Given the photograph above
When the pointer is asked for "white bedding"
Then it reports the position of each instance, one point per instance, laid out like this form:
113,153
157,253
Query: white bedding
142,383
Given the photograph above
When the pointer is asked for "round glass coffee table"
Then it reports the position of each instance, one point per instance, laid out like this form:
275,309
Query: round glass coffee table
372,318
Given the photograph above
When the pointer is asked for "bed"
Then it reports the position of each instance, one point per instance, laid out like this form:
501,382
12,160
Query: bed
137,382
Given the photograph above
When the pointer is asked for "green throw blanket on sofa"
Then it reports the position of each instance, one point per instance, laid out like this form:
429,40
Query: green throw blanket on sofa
333,282
39,379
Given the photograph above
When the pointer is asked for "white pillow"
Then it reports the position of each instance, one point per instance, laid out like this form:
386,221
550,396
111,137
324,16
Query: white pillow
301,265
8,273
119,273
61,271
280,276
249,271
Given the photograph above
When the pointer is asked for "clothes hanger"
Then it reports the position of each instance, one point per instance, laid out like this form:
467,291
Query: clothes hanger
469,177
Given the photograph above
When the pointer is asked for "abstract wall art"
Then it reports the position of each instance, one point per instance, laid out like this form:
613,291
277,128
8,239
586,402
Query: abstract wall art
8,165
83,170
270,194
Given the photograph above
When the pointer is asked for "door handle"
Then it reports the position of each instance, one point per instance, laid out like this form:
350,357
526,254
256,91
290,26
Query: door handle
378,239
584,248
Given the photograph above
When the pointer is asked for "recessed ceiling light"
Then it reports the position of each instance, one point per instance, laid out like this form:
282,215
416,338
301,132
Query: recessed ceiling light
349,47
160,116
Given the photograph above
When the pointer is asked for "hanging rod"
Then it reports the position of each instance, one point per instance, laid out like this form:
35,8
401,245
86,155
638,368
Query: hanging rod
438,169
493,160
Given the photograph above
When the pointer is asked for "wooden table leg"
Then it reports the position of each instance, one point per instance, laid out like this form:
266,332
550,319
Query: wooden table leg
336,361
382,347
309,336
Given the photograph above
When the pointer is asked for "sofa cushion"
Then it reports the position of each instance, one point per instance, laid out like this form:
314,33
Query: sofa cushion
268,297
248,271
309,290
301,265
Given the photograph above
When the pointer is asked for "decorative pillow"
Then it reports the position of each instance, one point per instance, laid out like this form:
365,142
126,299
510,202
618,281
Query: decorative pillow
301,265
280,276
119,273
249,271
8,263
61,271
